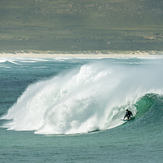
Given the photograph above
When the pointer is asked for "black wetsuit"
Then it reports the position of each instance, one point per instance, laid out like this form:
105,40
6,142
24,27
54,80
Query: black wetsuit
128,114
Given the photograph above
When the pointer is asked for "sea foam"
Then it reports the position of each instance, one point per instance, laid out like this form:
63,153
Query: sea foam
92,97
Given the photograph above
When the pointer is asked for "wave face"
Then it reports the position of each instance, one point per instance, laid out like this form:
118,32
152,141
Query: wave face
89,98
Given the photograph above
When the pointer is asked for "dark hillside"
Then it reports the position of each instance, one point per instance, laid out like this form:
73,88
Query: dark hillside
87,25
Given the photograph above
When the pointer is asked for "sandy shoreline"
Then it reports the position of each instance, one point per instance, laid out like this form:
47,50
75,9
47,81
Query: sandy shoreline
82,55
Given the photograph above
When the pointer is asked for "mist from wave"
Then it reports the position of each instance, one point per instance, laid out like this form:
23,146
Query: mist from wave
92,97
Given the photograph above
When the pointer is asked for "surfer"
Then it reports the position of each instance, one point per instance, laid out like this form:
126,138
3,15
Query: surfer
128,114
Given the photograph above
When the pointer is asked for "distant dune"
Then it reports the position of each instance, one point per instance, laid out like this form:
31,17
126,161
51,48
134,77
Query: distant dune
87,26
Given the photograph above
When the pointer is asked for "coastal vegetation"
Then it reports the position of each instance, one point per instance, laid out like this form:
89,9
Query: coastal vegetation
86,25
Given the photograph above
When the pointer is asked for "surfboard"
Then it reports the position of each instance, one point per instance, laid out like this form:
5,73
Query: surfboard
126,119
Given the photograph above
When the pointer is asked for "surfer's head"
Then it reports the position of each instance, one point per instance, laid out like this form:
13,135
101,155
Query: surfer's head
126,109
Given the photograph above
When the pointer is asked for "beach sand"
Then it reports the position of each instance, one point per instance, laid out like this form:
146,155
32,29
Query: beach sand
128,54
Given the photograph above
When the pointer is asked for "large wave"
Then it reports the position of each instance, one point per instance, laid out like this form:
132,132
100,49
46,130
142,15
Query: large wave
92,97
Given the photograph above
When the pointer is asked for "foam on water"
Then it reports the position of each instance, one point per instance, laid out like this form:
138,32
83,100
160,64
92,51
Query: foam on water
93,97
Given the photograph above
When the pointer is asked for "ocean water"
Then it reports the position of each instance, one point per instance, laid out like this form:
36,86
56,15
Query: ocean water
70,110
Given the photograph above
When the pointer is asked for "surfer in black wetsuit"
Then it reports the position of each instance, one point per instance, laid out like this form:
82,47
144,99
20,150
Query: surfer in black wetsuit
128,114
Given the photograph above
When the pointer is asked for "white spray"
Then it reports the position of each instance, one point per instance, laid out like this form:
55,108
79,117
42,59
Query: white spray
90,98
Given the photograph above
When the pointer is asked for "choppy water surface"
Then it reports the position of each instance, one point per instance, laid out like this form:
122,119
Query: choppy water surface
70,110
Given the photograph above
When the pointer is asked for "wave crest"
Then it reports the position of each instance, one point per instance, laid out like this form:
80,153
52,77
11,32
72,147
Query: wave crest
91,98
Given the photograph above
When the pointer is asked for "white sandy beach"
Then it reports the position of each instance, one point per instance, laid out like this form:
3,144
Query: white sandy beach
83,55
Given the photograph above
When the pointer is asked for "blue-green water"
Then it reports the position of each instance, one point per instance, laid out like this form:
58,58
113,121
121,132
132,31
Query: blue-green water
70,110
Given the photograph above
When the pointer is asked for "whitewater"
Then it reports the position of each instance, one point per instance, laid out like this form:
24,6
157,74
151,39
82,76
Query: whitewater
70,109
88,98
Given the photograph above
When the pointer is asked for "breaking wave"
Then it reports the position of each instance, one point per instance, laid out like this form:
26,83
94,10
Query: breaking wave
90,98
